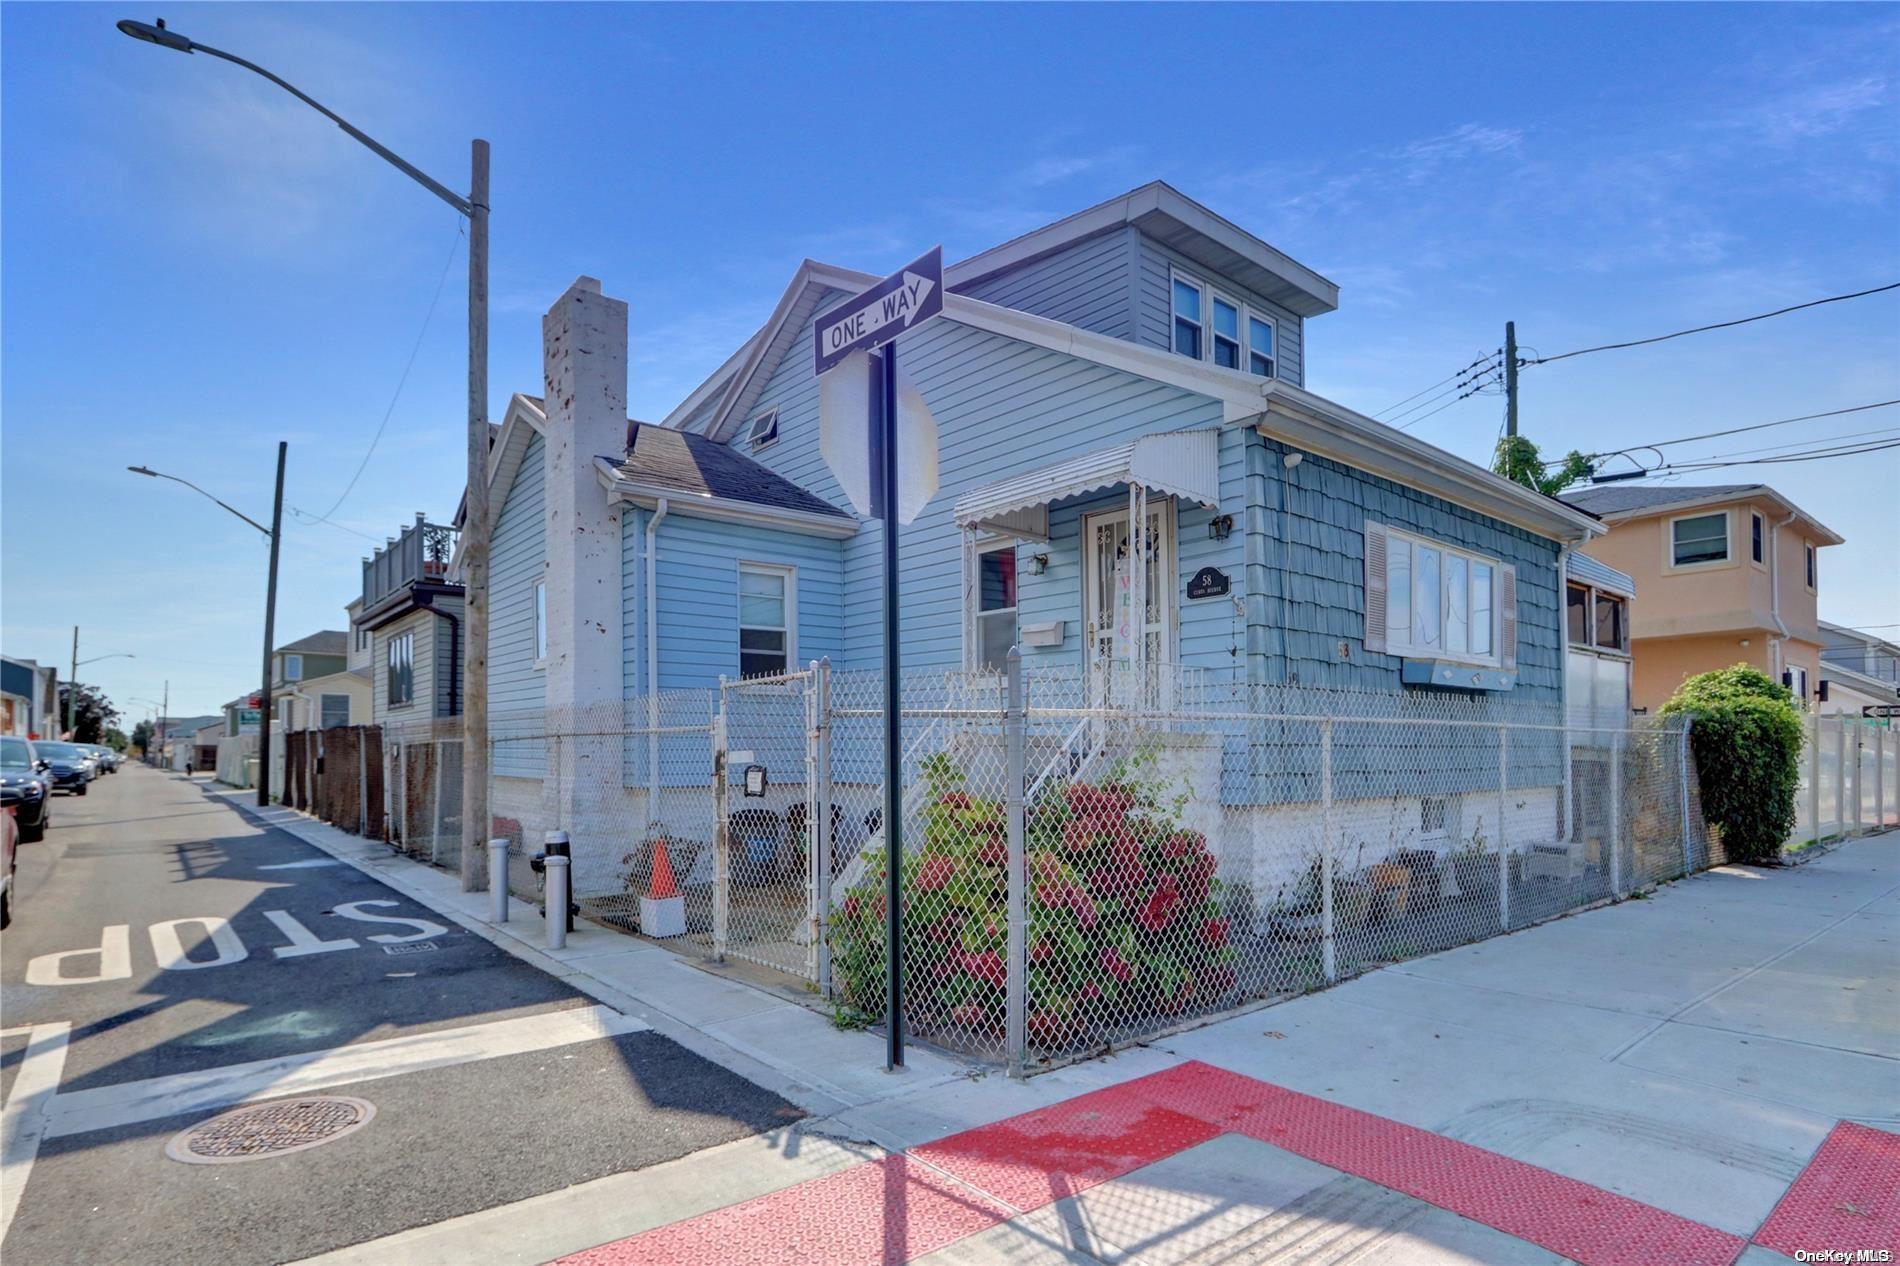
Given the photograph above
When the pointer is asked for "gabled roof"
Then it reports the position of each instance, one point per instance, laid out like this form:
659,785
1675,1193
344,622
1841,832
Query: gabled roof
678,463
328,642
1618,504
1172,218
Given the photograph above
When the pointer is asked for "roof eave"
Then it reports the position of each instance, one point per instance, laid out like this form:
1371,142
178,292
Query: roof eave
727,509
1323,426
1823,534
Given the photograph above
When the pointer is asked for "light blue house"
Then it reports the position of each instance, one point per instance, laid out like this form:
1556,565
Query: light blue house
1142,359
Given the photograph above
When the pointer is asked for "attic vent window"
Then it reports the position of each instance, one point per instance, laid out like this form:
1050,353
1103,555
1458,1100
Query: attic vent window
764,430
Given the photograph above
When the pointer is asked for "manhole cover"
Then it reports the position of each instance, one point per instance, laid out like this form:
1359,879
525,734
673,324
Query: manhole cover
270,1129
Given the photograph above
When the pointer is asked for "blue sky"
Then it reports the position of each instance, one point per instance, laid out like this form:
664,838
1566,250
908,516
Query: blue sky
196,266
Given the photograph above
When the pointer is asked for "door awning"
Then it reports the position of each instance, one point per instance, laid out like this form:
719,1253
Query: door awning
1183,464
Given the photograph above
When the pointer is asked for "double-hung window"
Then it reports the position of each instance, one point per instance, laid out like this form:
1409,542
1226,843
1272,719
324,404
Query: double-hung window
1259,345
336,710
1190,319
1226,333
995,605
1209,326
1698,539
1428,600
401,669
766,598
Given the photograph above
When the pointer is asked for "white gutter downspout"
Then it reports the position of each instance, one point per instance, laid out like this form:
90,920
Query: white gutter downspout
1774,597
654,519
1563,677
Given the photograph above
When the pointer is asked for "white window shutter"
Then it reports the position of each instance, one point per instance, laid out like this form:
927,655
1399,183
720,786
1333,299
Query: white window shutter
1375,587
1507,617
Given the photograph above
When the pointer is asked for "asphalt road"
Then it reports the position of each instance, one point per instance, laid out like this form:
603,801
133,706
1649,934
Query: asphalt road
242,944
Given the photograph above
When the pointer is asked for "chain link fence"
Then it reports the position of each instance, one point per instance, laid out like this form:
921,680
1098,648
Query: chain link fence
1121,853
624,779
1090,857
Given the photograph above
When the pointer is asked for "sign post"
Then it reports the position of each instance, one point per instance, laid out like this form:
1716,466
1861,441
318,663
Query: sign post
867,323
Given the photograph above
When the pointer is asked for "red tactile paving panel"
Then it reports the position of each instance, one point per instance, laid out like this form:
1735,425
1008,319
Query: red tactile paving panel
887,1211
1568,1217
1042,1156
1847,1198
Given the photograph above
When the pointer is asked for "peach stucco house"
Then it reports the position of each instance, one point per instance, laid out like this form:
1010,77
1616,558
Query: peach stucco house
1726,574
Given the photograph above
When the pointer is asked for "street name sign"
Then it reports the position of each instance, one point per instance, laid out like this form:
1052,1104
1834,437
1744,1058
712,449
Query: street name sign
880,314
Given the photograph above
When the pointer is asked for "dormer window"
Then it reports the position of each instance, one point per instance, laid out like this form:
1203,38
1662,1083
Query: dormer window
764,432
1209,326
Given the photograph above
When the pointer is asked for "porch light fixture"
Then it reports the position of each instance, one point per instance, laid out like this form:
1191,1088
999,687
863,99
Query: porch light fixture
1291,460
1039,564
1220,527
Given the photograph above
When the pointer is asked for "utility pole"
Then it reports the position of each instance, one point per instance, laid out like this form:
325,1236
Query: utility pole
475,536
164,710
1510,378
270,633
72,686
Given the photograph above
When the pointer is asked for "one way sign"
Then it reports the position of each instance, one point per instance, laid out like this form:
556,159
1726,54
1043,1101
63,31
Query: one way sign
881,313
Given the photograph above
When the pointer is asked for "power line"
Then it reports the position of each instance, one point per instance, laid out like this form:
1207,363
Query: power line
1738,430
400,383
312,520
1795,445
1762,426
1703,329
1441,382
1472,390
1852,450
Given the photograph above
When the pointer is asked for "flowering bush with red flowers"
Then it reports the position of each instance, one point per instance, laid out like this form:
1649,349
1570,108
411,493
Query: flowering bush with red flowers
1124,923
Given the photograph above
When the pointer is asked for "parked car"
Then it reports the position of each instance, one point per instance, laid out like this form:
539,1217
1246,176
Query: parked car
26,785
108,759
71,766
9,850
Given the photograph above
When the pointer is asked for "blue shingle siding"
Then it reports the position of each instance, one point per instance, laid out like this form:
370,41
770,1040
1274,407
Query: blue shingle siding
1306,546
1088,284
518,557
1154,315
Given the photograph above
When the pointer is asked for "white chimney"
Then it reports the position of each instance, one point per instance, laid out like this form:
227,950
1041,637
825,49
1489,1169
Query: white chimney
584,351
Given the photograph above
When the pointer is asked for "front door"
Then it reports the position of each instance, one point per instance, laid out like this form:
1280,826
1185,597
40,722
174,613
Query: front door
1106,589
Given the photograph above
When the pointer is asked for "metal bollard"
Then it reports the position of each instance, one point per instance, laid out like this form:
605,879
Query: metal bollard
557,911
498,880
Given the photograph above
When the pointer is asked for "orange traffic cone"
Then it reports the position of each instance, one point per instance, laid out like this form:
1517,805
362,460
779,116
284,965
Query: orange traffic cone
662,884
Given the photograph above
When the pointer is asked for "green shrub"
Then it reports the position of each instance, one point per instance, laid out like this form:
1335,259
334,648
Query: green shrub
1125,924
1746,737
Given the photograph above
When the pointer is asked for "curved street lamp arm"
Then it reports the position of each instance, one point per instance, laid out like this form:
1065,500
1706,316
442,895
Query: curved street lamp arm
159,474
395,160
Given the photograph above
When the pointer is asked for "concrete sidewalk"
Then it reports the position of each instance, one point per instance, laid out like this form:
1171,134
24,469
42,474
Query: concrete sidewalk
1689,1051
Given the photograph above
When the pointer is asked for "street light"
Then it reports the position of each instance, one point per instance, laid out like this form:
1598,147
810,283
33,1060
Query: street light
475,516
275,533
72,679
